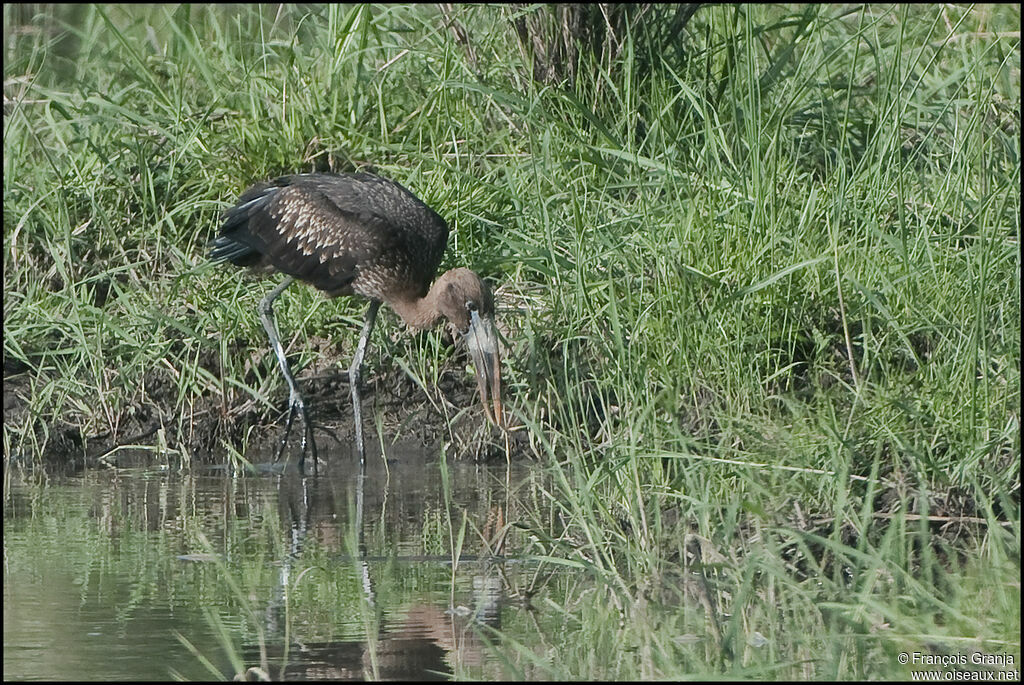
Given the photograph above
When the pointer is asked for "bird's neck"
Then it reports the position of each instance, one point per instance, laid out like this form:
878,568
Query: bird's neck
418,313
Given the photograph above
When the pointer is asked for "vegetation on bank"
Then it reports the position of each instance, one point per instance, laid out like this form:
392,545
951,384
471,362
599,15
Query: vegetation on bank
760,279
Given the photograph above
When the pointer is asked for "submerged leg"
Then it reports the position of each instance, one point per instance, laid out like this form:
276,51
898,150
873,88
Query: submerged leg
295,402
355,373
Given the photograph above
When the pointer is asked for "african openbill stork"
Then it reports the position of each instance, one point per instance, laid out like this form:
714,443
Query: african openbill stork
359,234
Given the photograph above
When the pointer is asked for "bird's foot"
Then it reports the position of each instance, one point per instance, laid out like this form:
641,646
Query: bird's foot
296,405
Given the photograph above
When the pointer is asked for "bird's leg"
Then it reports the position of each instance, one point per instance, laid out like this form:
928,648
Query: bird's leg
354,374
295,402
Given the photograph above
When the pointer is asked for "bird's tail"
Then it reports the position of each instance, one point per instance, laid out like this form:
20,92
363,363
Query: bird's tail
234,243
224,249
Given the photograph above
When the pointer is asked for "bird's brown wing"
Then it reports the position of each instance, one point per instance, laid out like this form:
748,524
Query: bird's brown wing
329,230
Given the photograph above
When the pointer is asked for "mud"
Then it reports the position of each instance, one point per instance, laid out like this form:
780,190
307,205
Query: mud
205,426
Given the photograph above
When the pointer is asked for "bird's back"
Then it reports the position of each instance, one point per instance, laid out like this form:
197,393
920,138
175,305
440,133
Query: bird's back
343,233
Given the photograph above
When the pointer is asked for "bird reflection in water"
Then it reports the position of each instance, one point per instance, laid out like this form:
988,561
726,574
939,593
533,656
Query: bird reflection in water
420,642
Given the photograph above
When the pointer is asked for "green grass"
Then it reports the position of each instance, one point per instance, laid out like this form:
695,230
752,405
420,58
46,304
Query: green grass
764,290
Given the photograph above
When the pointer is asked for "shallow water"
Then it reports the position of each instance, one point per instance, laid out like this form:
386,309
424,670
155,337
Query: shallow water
148,574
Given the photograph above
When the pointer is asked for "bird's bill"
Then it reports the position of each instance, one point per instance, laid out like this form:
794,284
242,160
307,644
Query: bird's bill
483,348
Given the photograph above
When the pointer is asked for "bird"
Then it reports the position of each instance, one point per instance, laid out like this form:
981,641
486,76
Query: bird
364,235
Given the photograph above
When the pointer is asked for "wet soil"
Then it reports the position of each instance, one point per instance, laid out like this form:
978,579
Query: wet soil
392,402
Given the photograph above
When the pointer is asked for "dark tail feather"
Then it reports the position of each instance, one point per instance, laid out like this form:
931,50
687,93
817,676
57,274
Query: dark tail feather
224,249
233,242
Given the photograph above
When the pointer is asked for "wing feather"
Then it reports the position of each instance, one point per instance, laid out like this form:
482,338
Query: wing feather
341,233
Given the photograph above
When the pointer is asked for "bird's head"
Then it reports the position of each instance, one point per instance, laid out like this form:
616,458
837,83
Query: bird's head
465,300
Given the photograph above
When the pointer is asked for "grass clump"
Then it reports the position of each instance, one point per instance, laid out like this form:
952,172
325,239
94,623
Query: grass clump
762,292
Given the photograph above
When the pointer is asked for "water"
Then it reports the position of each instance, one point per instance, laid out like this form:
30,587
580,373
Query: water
145,574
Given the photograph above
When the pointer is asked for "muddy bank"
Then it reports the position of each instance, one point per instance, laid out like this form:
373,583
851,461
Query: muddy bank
202,428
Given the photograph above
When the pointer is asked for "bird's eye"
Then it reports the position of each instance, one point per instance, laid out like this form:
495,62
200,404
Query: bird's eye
471,305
